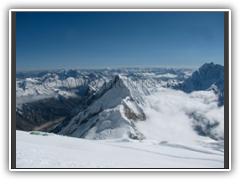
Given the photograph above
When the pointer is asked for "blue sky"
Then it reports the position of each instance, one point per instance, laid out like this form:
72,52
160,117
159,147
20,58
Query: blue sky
54,40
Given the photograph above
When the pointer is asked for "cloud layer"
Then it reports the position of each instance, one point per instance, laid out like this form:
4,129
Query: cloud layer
169,115
29,99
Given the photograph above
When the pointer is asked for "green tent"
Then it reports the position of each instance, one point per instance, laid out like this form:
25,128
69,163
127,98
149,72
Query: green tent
38,133
33,133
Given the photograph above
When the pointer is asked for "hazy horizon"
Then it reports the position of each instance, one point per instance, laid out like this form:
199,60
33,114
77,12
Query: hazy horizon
102,68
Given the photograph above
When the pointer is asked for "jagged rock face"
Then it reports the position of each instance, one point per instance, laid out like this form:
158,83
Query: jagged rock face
109,113
131,115
134,113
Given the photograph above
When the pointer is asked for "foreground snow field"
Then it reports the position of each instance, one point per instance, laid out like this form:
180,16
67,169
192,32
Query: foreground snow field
55,151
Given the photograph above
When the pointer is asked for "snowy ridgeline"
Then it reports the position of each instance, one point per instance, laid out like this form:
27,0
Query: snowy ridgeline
55,151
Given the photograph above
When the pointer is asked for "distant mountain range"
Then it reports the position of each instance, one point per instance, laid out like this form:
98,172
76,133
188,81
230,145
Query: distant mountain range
107,104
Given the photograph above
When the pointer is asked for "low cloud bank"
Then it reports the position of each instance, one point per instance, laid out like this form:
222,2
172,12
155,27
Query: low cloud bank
170,116
29,99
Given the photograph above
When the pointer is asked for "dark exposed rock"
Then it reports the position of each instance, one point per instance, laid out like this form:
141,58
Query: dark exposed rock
203,126
31,115
131,115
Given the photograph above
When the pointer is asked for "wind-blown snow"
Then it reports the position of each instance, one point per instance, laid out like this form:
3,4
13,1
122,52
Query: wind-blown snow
54,151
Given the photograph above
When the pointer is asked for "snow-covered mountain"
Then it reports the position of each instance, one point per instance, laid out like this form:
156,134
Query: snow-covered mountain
170,113
44,96
109,113
115,110
61,82
209,77
68,83
112,103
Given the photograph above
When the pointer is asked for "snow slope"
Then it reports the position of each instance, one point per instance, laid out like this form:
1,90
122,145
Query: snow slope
55,151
